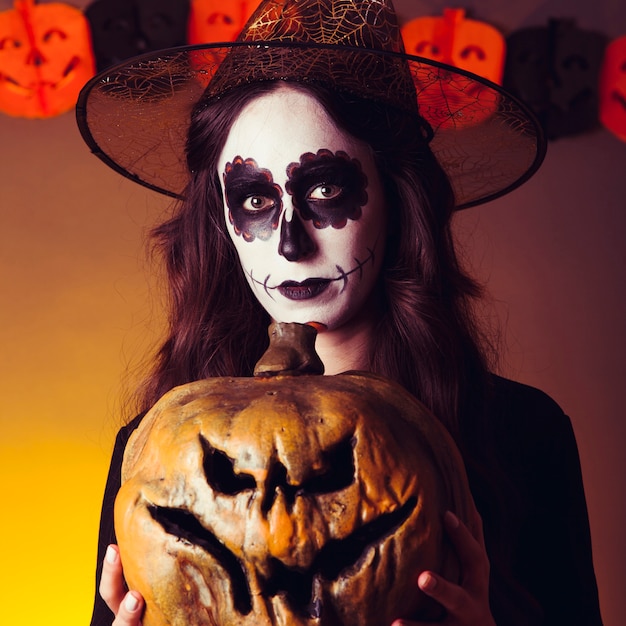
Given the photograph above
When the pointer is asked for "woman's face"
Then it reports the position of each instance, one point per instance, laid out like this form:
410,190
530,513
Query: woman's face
304,208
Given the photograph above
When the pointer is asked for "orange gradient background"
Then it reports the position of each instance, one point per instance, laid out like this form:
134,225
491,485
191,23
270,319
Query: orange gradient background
79,310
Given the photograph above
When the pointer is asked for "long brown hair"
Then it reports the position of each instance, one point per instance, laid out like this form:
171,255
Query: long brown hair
426,340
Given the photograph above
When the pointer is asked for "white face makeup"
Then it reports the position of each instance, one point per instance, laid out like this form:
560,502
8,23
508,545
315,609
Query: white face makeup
304,207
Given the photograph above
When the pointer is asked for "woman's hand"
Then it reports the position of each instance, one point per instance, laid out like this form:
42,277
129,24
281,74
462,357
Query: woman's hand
466,604
127,606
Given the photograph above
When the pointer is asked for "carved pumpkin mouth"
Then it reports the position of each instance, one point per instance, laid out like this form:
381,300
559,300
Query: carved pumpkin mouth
298,586
29,90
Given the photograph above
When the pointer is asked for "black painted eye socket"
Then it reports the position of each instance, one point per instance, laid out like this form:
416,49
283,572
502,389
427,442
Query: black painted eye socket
254,201
327,188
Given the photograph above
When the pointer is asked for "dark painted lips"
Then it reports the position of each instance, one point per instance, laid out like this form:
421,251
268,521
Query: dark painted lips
307,289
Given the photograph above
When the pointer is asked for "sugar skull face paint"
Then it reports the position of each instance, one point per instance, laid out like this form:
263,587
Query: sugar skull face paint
304,208
254,201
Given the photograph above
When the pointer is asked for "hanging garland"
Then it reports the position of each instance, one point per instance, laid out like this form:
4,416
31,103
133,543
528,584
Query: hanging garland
573,79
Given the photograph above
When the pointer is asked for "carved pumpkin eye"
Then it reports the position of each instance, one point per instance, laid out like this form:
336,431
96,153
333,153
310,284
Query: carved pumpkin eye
220,473
338,474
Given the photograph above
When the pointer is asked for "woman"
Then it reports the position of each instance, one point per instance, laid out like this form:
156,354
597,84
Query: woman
320,199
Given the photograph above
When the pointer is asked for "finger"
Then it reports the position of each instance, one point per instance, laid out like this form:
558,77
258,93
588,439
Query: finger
469,548
450,596
112,588
476,526
129,611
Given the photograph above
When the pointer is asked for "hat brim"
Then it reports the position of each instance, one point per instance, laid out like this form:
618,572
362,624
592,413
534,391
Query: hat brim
135,116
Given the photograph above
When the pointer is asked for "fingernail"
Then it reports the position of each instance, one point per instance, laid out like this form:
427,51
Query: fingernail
427,582
451,519
131,602
111,555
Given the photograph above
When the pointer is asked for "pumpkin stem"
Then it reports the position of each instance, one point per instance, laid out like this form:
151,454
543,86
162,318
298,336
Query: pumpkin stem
291,351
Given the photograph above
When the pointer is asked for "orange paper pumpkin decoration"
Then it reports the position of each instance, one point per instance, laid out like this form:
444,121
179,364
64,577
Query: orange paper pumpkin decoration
454,40
467,44
613,88
213,21
45,58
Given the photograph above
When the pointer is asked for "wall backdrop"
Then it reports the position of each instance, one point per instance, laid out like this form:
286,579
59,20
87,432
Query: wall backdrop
79,309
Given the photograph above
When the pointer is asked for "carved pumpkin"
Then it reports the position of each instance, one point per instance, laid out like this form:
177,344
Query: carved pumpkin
287,499
214,20
125,28
45,58
467,44
613,88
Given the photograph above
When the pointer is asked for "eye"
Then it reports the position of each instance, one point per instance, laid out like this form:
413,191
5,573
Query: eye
479,53
324,192
258,203
427,47
54,32
8,42
214,18
159,21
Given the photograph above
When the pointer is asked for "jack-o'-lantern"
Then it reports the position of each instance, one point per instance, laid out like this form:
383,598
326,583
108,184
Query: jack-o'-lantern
613,88
122,29
45,58
555,70
215,20
292,500
468,44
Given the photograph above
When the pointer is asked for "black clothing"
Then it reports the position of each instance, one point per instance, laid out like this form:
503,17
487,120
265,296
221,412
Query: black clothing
541,563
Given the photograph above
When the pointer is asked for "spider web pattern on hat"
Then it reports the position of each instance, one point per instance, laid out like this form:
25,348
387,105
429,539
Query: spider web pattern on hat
135,116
